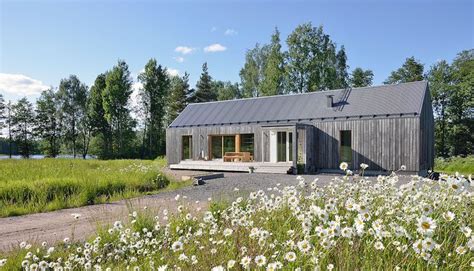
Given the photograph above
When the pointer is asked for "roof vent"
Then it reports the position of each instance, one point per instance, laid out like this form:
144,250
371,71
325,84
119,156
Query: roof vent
330,103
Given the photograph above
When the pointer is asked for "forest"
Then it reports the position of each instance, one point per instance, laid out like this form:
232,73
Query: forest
80,120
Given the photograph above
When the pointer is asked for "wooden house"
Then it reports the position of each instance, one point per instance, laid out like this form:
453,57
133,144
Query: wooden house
384,127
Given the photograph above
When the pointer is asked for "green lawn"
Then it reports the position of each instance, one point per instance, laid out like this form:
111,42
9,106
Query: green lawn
31,186
463,165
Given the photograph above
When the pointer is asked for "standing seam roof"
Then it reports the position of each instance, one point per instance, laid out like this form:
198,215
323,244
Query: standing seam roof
406,98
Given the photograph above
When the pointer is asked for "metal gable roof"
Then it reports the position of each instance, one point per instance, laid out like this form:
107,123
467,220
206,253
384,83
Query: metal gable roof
406,98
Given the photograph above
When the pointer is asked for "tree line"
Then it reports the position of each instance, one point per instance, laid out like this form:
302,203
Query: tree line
100,120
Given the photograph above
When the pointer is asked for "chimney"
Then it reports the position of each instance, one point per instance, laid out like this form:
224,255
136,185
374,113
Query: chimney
330,103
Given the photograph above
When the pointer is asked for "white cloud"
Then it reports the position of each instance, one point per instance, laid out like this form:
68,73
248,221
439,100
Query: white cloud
184,50
179,59
216,47
21,85
230,32
173,72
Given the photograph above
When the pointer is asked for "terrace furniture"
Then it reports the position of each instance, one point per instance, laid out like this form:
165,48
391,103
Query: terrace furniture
237,157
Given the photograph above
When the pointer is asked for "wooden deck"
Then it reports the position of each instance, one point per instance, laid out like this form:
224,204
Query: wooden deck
218,165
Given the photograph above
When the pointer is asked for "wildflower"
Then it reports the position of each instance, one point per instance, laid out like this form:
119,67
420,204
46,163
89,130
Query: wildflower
245,262
403,168
183,257
470,244
162,268
346,232
428,244
290,256
378,245
364,166
227,232
426,225
3,262
177,246
467,231
272,267
260,260
330,266
76,216
343,166
461,250
448,216
230,264
218,268
304,246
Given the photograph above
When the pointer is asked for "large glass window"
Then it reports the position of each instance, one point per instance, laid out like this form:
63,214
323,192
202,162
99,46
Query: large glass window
246,143
346,146
216,147
187,147
281,146
229,144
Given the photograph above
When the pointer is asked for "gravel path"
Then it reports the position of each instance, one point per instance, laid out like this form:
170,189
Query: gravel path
56,225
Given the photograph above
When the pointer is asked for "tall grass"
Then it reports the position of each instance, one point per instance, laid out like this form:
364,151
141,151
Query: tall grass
30,186
350,224
462,165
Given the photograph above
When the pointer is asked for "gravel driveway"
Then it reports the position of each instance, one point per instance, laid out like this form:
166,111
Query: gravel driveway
56,225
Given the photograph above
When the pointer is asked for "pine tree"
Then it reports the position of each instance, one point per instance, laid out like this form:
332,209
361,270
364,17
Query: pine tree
204,90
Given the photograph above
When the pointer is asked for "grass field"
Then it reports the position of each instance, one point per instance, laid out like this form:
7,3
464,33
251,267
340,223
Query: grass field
31,186
463,165
351,224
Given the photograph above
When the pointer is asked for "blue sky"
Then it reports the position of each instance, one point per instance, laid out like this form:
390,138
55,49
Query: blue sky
44,41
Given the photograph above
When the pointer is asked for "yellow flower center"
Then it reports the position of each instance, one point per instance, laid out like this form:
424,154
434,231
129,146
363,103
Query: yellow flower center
425,225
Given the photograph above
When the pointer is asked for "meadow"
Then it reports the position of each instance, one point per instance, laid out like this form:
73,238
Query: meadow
354,223
31,186
462,165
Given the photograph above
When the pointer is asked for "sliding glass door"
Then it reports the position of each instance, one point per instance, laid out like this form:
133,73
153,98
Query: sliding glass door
281,146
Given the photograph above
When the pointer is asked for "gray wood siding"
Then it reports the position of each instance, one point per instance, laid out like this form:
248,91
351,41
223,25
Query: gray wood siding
382,143
427,150
200,140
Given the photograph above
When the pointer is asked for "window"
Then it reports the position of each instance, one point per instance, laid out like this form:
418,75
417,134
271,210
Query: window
216,147
229,144
246,143
290,146
345,150
187,147
281,147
